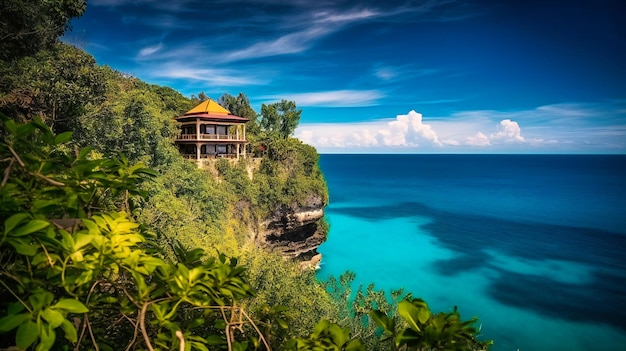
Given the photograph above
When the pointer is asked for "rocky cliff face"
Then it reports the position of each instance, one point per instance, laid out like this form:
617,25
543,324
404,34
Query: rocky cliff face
296,231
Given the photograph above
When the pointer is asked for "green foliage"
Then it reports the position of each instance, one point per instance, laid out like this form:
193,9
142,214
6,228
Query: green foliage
279,119
428,331
301,299
54,85
100,267
290,176
134,118
326,336
29,26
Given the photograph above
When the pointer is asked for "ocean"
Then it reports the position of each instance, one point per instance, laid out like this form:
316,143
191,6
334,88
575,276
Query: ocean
532,245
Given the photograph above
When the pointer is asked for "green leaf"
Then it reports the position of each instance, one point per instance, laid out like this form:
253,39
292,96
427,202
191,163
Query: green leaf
12,321
69,330
55,318
63,138
84,152
354,345
70,305
13,221
282,323
215,340
410,313
423,315
26,334
23,246
30,227
15,308
47,337
408,336
383,320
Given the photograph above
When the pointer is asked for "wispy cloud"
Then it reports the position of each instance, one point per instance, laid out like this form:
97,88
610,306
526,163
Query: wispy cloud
287,44
401,72
212,77
336,98
351,16
149,50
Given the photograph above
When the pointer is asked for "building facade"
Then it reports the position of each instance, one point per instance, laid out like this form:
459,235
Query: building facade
210,131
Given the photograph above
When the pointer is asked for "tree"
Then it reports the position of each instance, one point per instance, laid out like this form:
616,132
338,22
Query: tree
280,119
53,85
29,26
238,106
195,100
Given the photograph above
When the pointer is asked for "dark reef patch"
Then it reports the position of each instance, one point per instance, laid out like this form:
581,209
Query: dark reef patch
602,300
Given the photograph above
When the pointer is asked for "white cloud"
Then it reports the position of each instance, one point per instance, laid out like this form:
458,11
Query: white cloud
479,139
508,131
214,77
451,142
329,17
405,131
149,50
552,128
287,44
408,130
335,98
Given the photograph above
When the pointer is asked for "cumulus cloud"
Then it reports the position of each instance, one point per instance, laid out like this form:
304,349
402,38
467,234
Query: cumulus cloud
508,131
407,131
552,128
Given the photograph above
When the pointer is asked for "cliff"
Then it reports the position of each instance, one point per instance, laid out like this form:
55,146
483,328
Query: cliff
296,231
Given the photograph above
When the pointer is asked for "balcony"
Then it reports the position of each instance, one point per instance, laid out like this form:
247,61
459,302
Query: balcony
209,156
214,137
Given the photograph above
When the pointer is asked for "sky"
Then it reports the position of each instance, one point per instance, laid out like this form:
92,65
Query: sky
395,76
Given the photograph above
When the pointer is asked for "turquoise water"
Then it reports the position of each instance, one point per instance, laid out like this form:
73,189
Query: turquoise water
535,246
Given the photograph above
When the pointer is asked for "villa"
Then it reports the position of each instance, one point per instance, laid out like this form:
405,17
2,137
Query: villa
210,131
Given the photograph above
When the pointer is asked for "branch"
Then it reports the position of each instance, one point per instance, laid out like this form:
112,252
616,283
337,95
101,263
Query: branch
180,337
14,295
93,338
257,330
136,325
38,175
49,180
142,325
7,172
17,157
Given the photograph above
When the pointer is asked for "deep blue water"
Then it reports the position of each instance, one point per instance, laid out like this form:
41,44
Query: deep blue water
534,245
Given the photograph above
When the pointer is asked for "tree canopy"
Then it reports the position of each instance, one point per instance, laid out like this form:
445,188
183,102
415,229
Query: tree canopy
29,26
280,118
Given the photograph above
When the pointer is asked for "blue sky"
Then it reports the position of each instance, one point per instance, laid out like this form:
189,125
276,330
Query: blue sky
442,76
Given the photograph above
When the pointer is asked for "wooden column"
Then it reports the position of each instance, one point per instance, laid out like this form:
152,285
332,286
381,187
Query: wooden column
197,129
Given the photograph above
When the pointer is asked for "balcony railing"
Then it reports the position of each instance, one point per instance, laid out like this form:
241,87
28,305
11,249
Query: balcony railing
209,156
209,137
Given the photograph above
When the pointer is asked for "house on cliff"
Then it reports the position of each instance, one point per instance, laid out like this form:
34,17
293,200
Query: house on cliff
210,131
